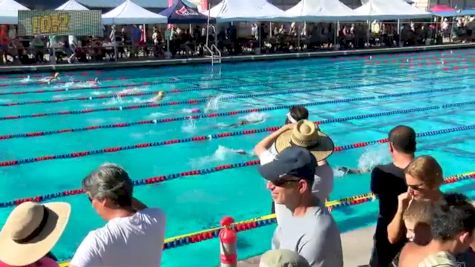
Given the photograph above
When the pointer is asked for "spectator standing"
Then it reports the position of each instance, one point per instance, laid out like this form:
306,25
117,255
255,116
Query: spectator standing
133,235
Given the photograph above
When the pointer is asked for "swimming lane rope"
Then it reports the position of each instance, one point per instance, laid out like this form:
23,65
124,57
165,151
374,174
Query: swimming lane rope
177,91
95,87
254,223
148,122
162,178
203,100
174,79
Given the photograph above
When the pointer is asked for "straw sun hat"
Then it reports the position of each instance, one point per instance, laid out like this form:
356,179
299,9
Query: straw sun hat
306,134
31,231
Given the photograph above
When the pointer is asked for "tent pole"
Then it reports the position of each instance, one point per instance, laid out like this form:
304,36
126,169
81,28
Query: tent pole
335,35
298,36
399,30
270,27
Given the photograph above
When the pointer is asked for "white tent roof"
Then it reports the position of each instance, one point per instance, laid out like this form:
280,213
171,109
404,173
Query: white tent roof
321,10
394,9
115,3
131,13
247,10
72,5
9,11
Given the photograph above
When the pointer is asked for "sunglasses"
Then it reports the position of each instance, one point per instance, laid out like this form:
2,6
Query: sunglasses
283,182
416,187
89,198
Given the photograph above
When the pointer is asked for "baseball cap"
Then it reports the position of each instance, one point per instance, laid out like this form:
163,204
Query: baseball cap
292,162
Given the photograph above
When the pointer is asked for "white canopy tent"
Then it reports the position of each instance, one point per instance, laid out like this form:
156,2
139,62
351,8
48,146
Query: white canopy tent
72,5
9,11
394,9
131,13
321,10
115,3
246,10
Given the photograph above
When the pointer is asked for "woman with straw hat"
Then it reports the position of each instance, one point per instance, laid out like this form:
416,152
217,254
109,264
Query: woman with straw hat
305,134
30,233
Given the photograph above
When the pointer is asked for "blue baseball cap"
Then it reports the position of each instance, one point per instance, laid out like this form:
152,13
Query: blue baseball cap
292,162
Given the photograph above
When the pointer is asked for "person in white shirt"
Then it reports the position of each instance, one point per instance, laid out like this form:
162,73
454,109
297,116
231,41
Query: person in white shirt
305,134
133,234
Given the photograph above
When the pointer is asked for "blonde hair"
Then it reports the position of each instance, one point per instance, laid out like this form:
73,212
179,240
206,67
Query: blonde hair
419,211
426,169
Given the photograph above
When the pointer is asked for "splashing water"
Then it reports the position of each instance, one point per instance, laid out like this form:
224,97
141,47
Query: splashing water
189,126
26,80
214,103
156,115
368,160
258,117
221,154
372,157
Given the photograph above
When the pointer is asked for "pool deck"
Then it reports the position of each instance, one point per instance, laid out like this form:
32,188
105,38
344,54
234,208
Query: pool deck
188,61
356,244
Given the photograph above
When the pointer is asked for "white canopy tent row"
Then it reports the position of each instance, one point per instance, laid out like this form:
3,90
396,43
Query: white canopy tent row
131,13
72,5
390,10
9,11
321,10
246,11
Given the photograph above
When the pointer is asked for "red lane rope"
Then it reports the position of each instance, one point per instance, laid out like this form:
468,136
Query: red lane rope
148,122
162,178
95,87
116,149
173,79
202,100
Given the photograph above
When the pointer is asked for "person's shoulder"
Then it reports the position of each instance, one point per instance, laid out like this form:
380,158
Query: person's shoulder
387,169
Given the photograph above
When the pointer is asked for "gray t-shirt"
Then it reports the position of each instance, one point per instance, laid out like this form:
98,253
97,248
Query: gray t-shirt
315,236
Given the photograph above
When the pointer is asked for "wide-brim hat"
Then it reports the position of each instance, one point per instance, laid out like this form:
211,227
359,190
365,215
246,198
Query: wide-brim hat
31,231
306,134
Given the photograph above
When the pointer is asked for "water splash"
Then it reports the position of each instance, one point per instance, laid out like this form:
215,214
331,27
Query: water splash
155,115
367,161
26,80
222,154
214,103
189,126
257,117
373,156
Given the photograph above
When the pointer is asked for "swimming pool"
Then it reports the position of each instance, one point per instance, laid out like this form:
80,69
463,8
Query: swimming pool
357,99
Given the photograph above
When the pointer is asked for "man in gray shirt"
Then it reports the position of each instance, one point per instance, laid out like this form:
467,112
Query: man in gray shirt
309,229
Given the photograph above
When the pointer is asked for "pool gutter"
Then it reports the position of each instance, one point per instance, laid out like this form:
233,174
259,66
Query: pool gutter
228,59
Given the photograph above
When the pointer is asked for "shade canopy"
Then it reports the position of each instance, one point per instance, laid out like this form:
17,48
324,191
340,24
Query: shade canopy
441,8
394,9
247,10
72,5
184,13
320,10
9,11
131,13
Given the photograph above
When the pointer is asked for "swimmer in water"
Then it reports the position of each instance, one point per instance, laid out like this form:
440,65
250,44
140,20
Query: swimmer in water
95,82
240,123
53,78
347,170
160,95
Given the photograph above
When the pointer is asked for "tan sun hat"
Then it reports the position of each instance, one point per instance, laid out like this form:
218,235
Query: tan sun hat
31,231
306,134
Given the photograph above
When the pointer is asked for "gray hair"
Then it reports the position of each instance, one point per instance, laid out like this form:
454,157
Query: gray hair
110,181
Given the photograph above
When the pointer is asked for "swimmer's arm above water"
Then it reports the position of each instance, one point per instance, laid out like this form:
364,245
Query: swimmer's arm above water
265,144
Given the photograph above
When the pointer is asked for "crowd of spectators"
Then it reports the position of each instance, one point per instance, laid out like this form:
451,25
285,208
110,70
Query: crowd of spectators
177,41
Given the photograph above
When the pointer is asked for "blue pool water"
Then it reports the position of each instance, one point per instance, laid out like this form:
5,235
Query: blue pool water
198,202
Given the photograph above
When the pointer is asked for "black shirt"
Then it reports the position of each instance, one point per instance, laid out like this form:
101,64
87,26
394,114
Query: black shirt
387,183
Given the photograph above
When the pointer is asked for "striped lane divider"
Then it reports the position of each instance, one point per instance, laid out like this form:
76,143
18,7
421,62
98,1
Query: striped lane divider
148,122
199,172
